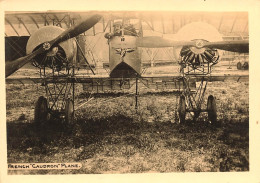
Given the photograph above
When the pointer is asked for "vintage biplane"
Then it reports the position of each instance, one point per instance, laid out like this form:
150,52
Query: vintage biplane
60,53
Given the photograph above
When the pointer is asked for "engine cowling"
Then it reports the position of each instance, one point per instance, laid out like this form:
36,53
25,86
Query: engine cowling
58,56
198,55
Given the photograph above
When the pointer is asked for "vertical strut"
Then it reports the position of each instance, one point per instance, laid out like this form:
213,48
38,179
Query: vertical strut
136,93
73,88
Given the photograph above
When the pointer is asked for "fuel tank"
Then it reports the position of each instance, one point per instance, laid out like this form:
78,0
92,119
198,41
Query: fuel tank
124,57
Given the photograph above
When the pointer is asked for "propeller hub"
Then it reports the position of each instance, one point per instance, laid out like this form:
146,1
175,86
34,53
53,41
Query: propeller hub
199,43
53,51
197,50
46,46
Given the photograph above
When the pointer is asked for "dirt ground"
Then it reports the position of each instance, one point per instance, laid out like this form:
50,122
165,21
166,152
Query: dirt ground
110,136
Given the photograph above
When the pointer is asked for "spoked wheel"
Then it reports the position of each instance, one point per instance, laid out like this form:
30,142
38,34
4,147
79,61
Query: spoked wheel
245,66
182,109
212,110
41,110
69,112
239,66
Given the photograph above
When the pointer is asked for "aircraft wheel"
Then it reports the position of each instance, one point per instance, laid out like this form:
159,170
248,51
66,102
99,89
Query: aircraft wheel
41,110
182,109
212,110
239,66
69,113
246,65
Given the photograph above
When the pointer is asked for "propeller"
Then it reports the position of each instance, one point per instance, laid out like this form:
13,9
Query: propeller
12,66
235,46
159,42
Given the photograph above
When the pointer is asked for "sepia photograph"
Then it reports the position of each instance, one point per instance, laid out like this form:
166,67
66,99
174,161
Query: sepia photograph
127,92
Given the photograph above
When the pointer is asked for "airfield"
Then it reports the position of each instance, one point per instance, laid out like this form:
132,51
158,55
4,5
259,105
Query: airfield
110,136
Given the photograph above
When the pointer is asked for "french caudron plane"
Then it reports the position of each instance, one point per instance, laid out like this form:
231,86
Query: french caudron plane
57,53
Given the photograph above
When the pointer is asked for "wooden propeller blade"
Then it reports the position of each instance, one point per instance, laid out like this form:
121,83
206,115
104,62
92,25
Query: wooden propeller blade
235,46
159,42
76,30
12,66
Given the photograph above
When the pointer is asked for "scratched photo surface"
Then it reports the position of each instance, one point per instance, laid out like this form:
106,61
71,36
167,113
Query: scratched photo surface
126,92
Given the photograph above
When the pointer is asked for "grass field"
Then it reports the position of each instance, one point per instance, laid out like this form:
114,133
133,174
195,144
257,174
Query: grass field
110,136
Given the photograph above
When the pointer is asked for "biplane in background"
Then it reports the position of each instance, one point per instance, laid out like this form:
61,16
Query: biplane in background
58,55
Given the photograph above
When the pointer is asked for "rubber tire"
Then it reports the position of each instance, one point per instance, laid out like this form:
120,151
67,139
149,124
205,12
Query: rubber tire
41,110
212,110
239,66
182,109
69,112
245,66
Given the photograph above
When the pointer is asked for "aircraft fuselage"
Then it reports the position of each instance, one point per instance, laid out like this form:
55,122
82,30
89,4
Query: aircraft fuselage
124,59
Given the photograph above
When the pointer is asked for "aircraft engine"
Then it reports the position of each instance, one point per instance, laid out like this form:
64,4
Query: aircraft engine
58,56
197,56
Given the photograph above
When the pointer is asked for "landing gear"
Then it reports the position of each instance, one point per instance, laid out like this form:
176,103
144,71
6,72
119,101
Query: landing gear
41,110
60,97
57,105
243,66
59,101
191,102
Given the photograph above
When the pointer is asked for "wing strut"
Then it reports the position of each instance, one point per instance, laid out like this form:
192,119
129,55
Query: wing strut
84,56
